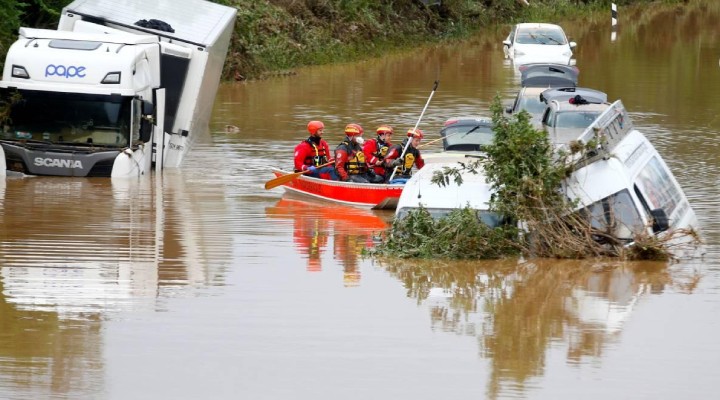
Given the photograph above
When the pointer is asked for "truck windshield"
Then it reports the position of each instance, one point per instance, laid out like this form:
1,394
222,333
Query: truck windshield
68,118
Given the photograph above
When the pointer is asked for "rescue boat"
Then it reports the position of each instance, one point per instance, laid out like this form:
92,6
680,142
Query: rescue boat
377,196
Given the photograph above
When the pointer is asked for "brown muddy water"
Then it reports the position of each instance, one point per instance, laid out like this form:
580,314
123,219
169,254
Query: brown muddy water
201,284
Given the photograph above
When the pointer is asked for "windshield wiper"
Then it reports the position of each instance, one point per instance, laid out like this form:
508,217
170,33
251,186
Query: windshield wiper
471,131
552,39
535,38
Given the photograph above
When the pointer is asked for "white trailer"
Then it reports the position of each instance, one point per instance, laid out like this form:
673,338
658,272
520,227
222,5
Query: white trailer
119,88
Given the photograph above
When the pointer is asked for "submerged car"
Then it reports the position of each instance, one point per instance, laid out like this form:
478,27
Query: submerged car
538,42
548,75
463,141
569,111
466,134
535,79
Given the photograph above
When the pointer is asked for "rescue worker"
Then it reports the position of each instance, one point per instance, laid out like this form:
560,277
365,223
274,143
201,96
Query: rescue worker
313,152
376,149
350,160
403,165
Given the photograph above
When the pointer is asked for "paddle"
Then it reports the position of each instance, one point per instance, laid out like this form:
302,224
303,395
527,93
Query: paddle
416,125
280,180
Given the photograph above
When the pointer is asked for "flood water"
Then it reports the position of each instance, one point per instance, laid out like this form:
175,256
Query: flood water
201,284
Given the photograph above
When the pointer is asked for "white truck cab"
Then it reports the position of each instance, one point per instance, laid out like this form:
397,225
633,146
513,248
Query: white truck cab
107,94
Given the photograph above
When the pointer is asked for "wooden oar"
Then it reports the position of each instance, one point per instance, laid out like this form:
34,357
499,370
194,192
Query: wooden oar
280,180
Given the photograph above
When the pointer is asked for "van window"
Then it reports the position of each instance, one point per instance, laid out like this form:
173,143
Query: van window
615,215
657,188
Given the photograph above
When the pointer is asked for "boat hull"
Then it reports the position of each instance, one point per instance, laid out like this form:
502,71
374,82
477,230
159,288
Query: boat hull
366,195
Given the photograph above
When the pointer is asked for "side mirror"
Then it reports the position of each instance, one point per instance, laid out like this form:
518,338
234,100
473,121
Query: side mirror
572,45
507,42
660,220
147,108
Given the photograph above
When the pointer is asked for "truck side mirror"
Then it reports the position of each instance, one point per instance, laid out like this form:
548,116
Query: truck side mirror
660,220
147,108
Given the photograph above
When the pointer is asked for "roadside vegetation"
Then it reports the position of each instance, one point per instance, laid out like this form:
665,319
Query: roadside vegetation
526,175
273,37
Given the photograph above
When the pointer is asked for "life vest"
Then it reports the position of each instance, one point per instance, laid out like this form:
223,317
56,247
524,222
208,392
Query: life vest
381,149
356,159
320,156
408,160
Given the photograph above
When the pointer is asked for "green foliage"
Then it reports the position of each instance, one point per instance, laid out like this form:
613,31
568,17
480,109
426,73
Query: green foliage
522,167
10,13
457,236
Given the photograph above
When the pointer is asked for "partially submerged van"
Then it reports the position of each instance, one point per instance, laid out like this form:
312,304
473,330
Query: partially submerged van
625,186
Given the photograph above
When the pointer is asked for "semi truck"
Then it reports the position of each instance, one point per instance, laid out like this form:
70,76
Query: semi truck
119,89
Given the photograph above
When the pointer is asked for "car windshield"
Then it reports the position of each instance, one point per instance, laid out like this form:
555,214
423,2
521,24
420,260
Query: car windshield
551,36
576,119
488,218
532,104
467,137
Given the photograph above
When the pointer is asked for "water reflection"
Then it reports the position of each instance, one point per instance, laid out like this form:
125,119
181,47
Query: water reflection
316,224
74,252
518,310
100,245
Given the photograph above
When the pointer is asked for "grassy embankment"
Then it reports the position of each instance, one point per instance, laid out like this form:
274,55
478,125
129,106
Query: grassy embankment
276,36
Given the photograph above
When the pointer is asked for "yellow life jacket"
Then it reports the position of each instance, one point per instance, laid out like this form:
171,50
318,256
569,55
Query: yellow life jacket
356,163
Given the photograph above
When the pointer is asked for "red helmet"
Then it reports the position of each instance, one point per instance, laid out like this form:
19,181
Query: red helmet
353,130
314,126
383,129
415,133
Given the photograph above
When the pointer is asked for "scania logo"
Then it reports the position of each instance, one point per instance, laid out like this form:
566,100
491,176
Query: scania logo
57,163
61,70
